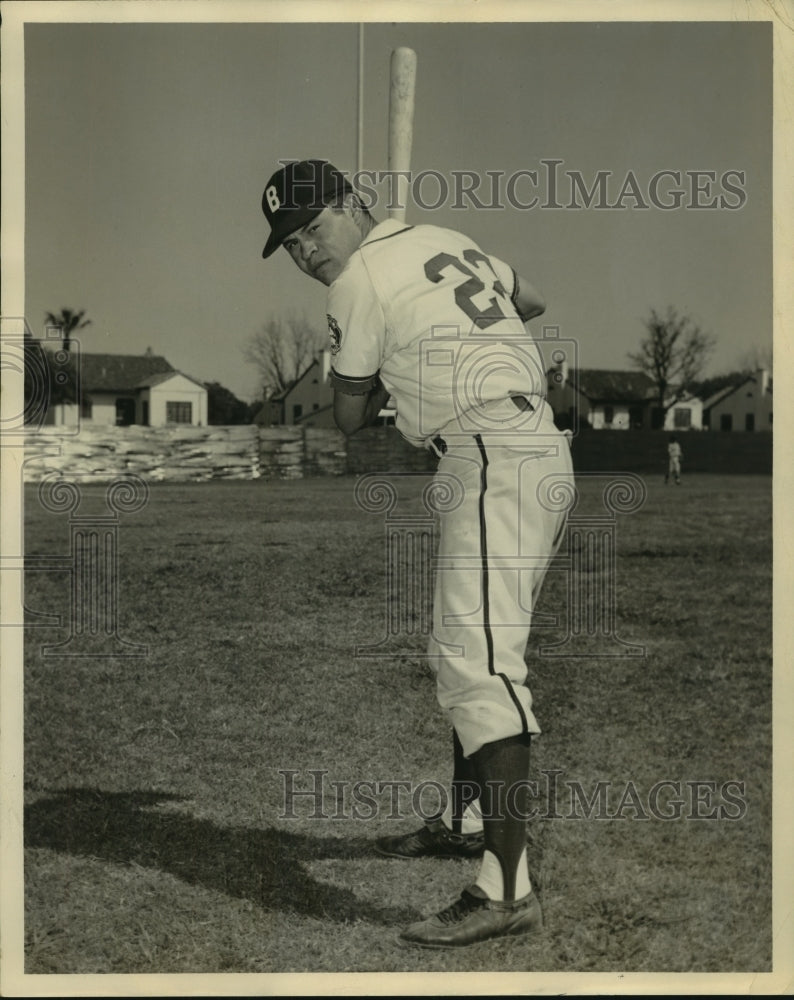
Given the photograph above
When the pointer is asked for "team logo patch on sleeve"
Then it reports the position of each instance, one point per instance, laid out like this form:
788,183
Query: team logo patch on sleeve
335,333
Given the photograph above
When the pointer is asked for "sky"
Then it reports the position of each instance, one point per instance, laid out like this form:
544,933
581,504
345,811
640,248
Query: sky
148,146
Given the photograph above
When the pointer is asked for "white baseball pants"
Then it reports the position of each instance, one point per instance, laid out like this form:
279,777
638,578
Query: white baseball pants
495,548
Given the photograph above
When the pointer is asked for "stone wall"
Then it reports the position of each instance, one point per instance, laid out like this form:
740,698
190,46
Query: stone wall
186,454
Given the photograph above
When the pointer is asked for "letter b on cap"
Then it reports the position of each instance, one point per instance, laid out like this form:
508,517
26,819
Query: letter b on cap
272,198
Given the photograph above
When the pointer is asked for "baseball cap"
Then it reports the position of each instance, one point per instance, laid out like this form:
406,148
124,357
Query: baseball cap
295,194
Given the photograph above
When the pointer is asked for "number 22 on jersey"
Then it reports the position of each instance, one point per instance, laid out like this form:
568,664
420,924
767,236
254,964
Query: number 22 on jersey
472,285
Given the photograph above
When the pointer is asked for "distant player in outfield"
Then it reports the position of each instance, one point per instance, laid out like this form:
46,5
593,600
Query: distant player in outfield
674,456
422,315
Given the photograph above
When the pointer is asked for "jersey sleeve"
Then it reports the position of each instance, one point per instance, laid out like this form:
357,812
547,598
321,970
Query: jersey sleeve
357,327
508,277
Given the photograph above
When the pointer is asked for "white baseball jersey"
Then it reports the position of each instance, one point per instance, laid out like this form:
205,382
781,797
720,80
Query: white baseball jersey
431,314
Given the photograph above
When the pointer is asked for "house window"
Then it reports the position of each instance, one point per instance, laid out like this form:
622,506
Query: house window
145,412
635,417
609,414
726,422
749,421
178,413
682,417
297,412
86,409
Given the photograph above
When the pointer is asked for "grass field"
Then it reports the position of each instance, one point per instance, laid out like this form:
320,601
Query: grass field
155,827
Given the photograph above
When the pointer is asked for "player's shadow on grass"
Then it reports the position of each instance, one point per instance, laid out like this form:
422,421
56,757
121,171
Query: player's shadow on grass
265,866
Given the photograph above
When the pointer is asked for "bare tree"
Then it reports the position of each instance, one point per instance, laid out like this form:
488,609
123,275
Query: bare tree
282,350
67,321
672,354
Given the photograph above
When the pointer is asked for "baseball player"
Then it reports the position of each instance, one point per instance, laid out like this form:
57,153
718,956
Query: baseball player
422,315
674,456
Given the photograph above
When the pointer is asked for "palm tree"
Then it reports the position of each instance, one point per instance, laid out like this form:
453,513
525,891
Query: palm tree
67,321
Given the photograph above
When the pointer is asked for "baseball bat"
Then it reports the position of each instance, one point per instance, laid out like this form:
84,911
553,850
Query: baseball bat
402,90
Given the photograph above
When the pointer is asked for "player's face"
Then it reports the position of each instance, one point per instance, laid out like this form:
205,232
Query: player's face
324,245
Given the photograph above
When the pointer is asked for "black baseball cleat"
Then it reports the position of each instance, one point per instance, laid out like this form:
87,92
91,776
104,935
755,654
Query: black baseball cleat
434,840
474,917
